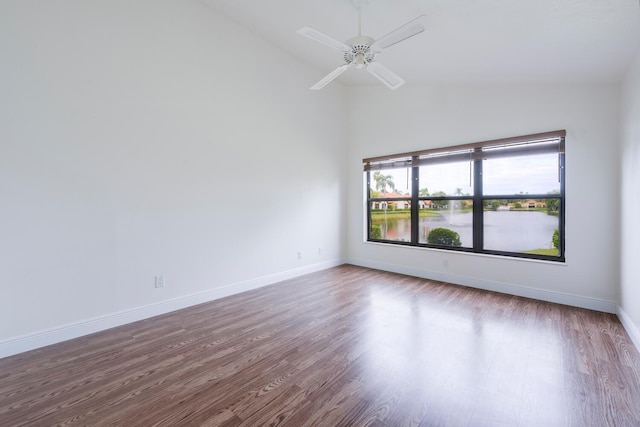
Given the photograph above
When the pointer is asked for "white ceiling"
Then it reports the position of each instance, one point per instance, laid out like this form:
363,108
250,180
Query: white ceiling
465,41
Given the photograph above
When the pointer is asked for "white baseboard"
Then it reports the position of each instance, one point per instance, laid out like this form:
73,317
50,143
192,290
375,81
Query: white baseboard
74,330
630,327
505,288
58,334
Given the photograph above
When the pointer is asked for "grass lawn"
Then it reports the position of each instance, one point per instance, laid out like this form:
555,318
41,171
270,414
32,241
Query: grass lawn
551,252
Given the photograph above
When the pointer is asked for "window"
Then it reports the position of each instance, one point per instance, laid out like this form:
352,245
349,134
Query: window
502,197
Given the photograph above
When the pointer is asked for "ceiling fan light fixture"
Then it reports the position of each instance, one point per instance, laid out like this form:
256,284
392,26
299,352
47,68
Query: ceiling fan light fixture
360,51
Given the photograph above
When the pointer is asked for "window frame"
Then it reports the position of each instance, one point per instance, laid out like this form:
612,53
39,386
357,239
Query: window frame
526,145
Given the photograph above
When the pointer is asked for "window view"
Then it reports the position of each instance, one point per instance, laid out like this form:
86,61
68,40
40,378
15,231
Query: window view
502,197
523,225
532,174
446,222
390,205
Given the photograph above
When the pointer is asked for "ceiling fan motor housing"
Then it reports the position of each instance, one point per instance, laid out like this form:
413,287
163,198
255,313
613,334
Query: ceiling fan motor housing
360,52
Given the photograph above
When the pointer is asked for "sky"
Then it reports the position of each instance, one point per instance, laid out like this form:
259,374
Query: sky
530,174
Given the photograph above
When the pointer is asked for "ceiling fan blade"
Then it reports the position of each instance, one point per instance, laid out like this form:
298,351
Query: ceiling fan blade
323,38
403,32
330,77
385,75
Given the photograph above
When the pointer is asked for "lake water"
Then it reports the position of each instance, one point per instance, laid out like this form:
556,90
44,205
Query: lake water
513,231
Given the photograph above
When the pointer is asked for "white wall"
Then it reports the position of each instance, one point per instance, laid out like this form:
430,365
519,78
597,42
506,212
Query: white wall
630,202
154,138
413,118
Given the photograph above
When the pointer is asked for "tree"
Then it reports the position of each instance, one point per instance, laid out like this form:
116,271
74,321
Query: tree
439,204
444,236
383,181
552,204
555,239
423,192
492,204
458,191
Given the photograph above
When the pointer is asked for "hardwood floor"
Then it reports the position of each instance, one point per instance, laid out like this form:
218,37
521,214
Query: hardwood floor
346,346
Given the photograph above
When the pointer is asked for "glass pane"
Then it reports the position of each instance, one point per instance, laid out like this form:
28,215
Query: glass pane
391,183
522,225
534,174
447,179
391,220
446,222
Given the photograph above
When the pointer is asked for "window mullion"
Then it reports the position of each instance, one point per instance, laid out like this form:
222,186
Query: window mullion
478,202
368,205
415,208
562,202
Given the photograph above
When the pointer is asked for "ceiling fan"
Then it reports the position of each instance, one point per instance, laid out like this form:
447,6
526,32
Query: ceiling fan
360,51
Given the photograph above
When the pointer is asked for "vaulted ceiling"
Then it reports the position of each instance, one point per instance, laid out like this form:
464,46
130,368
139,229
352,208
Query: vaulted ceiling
465,41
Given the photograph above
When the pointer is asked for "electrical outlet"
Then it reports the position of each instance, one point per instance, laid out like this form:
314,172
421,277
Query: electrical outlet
299,255
320,251
159,282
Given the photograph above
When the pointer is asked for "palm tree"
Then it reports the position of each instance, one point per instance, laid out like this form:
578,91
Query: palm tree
383,181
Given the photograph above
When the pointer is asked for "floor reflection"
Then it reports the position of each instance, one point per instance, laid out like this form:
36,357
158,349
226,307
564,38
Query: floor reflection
458,357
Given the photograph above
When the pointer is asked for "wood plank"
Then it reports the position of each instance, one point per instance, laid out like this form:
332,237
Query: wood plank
345,346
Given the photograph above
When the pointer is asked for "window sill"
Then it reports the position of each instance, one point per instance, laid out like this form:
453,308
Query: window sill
470,254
